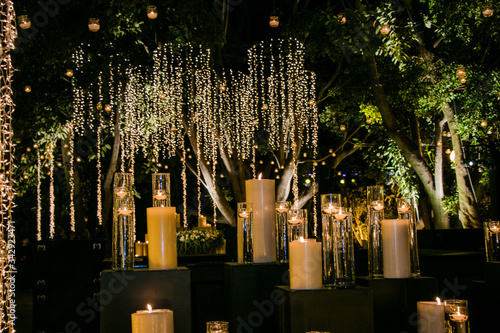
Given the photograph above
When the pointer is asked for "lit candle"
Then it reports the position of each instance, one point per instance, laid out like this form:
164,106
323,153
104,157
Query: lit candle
495,229
378,205
261,192
282,208
305,264
430,317
202,221
125,210
396,248
160,195
121,192
153,321
162,238
340,215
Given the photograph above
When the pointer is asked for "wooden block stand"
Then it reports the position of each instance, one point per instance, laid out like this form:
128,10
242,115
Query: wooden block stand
395,301
125,292
330,310
250,294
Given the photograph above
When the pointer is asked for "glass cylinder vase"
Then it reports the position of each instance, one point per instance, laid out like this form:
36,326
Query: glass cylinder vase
161,189
330,204
297,224
492,240
343,249
123,223
244,232
406,211
282,208
375,203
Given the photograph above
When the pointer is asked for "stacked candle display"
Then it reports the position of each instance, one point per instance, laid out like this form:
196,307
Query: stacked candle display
406,212
282,240
305,264
261,193
343,249
162,226
244,232
153,321
122,246
375,203
330,204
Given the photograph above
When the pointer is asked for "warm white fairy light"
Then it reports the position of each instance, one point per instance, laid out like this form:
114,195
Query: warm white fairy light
184,188
7,231
71,171
99,176
52,205
39,197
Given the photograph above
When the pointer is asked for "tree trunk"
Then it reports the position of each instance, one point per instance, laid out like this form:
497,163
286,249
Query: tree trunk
468,213
439,177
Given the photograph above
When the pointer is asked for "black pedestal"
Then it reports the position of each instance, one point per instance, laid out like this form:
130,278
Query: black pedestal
251,292
395,301
125,292
329,310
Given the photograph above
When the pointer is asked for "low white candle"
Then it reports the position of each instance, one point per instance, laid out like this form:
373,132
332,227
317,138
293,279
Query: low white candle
396,248
153,321
305,264
430,317
162,246
340,215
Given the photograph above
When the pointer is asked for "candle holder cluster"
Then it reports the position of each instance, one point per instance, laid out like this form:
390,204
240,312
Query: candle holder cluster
392,244
338,243
123,223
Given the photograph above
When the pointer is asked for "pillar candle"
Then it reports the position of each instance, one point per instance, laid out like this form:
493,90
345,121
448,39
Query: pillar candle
162,245
430,317
202,221
154,321
177,220
139,249
396,248
305,264
261,192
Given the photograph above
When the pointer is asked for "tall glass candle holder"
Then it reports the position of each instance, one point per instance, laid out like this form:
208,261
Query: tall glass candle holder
161,189
244,230
492,240
456,316
406,211
343,249
123,223
330,204
375,202
282,208
297,224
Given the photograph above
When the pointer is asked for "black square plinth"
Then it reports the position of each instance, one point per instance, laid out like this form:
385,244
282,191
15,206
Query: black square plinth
250,289
329,310
125,292
395,301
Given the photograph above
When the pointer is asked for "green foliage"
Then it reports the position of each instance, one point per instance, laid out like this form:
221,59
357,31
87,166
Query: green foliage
400,171
371,113
450,204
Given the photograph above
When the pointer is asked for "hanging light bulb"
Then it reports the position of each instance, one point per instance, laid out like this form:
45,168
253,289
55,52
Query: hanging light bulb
265,107
368,121
222,88
323,163
484,123
152,12
94,25
384,29
69,72
463,80
27,89
460,72
98,106
162,96
487,10
342,127
274,21
294,145
448,151
107,108
311,102
24,22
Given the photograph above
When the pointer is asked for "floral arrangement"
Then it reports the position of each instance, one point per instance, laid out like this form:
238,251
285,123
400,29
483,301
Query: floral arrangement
199,241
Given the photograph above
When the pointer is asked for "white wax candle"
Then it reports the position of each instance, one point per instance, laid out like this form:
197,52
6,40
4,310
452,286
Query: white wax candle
305,264
162,245
139,249
396,249
261,193
177,220
155,321
430,317
202,221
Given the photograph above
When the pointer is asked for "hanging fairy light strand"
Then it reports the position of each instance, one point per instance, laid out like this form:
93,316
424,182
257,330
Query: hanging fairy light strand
52,206
71,151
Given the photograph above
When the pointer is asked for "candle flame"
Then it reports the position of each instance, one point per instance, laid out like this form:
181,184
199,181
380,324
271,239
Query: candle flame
438,300
150,308
260,176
